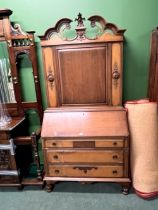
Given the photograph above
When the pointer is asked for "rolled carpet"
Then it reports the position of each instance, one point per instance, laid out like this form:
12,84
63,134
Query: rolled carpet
143,127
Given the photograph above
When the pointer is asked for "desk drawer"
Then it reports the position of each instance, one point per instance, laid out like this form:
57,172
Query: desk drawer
83,143
84,156
85,171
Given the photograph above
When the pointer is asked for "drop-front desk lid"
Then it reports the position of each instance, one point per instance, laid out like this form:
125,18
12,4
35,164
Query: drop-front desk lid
84,122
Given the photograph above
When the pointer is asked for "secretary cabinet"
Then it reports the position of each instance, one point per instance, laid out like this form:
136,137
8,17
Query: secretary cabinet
85,134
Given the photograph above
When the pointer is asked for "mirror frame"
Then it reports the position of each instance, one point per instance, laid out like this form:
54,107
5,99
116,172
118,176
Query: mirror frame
19,42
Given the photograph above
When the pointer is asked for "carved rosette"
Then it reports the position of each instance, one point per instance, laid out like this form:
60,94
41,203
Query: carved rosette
50,78
115,74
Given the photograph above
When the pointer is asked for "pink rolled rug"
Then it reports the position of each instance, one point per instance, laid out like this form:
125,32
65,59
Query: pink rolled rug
143,126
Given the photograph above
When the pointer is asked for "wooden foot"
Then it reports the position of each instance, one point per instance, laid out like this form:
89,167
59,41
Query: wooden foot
125,188
49,186
20,187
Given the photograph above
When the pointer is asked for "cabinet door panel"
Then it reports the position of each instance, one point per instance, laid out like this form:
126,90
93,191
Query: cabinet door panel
82,77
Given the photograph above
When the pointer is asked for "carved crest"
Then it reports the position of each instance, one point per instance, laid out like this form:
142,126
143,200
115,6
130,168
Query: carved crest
17,30
97,27
20,38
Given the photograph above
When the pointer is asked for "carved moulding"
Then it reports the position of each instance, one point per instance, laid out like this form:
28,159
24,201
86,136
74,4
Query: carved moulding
20,38
97,25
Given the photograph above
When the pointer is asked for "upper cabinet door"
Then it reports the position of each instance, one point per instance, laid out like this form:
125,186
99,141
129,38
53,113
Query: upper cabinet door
83,67
82,75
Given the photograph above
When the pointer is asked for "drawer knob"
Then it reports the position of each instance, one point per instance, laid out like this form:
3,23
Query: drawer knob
114,171
114,156
55,157
57,171
54,144
115,143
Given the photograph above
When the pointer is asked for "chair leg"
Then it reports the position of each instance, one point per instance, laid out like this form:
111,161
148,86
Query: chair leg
36,155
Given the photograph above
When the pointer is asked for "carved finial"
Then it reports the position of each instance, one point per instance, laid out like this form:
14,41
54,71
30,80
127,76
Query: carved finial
80,29
80,20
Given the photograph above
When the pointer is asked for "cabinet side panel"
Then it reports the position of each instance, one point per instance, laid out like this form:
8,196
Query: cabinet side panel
117,74
50,77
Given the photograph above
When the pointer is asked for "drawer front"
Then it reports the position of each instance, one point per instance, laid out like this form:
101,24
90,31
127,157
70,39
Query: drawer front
86,143
4,142
85,171
9,179
3,135
84,156
7,161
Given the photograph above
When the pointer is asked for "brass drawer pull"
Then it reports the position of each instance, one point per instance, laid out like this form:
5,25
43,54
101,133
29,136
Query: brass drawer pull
57,171
85,169
114,172
54,144
84,144
55,157
115,157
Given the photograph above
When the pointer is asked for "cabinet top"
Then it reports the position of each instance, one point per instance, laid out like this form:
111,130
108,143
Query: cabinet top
12,124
